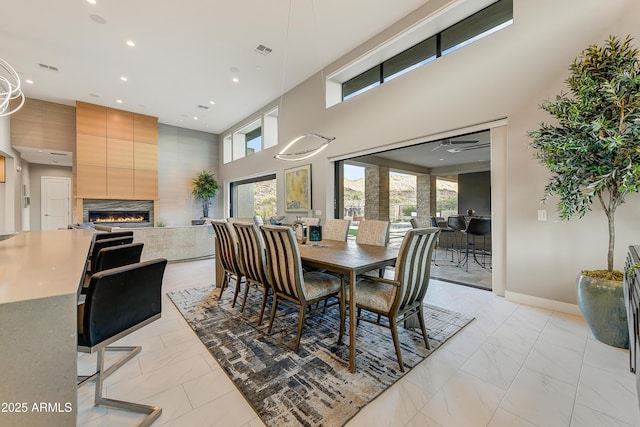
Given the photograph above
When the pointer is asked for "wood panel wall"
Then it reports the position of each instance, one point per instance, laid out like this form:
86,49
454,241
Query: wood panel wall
46,125
116,154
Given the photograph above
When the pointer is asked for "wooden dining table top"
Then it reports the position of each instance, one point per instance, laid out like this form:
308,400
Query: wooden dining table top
346,256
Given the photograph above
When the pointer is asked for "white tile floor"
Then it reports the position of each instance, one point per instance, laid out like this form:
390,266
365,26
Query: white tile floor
513,366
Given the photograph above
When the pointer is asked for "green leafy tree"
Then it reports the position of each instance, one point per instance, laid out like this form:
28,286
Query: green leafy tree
205,188
593,152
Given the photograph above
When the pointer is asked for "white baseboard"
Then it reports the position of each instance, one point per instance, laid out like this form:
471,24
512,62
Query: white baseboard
549,304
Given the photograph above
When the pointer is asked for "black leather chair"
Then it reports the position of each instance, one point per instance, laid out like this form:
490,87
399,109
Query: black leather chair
98,245
457,224
115,256
113,235
119,301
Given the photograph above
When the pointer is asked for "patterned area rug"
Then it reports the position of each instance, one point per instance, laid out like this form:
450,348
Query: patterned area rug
313,387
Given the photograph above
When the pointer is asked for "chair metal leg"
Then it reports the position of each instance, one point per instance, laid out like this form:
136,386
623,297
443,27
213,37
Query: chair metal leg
132,351
152,412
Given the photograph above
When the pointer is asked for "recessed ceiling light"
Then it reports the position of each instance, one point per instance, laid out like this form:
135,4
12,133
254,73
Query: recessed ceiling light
195,118
235,80
131,43
119,101
123,78
258,67
91,1
98,19
29,81
211,102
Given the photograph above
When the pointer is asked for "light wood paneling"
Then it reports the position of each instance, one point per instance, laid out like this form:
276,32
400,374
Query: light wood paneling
119,153
145,129
120,183
42,124
91,150
146,185
91,119
119,124
145,156
92,181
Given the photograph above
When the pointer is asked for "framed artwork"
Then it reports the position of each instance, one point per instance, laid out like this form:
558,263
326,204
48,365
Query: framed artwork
297,189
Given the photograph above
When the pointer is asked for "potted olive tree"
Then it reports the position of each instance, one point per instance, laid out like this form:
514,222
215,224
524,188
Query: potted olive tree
205,188
593,153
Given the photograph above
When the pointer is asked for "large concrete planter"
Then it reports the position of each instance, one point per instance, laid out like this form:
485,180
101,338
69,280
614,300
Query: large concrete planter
602,304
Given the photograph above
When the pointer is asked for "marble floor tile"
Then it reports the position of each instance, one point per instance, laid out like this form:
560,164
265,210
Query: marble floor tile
609,393
588,417
464,401
555,361
494,364
540,399
503,418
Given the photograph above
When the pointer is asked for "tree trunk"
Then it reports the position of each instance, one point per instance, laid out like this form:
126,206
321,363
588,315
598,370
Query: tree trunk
612,239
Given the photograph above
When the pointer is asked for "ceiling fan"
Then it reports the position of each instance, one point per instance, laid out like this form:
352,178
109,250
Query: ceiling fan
472,147
447,142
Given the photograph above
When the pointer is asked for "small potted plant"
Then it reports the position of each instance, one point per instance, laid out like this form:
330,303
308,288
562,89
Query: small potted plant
205,188
593,153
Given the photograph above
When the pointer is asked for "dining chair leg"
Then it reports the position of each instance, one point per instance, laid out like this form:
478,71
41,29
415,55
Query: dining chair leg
423,327
235,295
244,297
273,312
225,280
264,304
303,309
396,343
343,305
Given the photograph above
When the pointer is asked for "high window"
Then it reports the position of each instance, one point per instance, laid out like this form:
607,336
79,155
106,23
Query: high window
252,138
255,196
487,21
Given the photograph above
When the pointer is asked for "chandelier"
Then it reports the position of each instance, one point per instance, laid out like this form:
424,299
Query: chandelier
308,144
9,89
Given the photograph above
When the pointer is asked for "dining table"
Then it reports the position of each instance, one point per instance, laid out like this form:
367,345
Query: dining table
348,259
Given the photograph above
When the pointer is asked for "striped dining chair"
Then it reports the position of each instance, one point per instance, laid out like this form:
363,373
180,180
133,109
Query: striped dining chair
292,286
227,251
253,262
402,297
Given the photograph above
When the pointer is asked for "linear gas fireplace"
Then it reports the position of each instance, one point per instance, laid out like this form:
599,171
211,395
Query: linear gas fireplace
118,213
111,217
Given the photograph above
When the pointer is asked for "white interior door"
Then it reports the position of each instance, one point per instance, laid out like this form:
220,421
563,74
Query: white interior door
55,205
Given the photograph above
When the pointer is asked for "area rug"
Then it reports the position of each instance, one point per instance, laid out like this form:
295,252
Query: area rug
313,387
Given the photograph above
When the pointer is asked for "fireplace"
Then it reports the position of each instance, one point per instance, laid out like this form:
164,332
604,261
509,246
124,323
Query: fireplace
119,217
118,213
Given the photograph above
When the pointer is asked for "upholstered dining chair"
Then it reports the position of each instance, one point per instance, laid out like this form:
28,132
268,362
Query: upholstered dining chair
227,251
373,232
400,298
253,262
291,286
336,229
477,227
119,301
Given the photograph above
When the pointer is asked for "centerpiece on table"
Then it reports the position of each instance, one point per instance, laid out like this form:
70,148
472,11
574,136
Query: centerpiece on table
593,153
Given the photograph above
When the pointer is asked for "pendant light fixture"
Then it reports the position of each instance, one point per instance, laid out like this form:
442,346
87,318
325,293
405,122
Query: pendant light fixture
9,88
308,144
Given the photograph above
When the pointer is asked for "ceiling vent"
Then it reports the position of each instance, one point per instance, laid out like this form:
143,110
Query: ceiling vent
48,67
204,107
263,50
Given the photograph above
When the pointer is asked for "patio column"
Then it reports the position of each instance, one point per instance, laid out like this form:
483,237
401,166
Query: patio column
376,193
426,195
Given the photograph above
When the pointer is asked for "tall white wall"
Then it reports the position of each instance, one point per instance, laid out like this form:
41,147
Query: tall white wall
182,153
504,76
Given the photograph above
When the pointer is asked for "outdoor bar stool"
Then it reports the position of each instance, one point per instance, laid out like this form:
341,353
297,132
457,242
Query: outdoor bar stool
457,224
478,227
119,301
